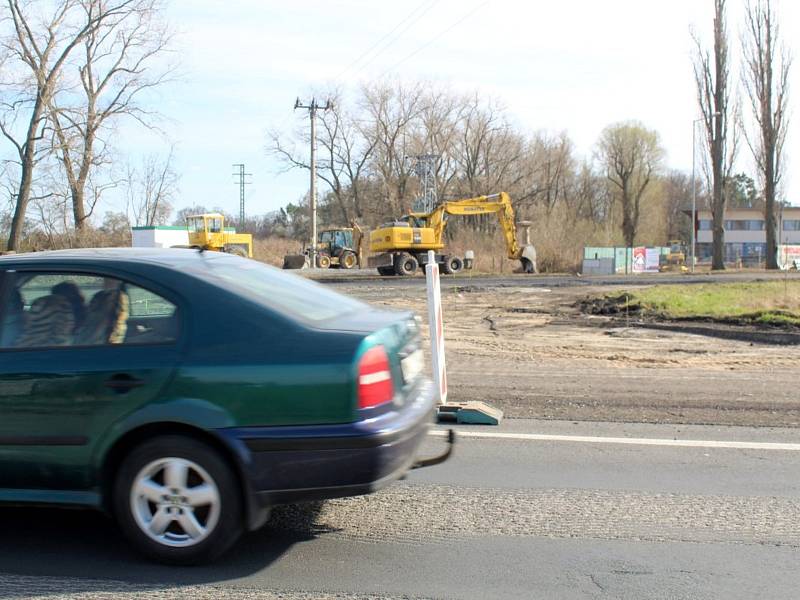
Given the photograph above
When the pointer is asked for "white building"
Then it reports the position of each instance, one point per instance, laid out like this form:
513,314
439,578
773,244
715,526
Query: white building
745,233
159,236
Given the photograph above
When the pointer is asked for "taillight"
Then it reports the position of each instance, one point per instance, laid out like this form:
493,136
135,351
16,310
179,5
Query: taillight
374,378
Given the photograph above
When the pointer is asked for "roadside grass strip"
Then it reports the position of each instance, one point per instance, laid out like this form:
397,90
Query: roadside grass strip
760,302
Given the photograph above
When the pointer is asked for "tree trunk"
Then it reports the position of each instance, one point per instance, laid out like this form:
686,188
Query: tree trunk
718,194
87,156
78,207
18,222
718,256
26,177
770,222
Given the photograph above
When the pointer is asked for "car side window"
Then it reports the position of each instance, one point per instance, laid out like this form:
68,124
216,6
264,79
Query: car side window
43,310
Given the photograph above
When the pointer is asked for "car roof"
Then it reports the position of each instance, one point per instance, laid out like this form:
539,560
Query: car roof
169,257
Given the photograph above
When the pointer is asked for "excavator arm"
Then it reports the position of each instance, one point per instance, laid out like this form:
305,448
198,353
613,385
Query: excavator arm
481,205
358,240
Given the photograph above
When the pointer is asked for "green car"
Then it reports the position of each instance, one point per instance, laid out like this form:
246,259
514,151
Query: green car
188,392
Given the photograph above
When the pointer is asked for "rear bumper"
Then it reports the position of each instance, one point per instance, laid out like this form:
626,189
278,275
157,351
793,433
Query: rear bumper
296,464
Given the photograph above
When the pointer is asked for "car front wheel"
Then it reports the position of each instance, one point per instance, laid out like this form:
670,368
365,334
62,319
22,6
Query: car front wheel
177,501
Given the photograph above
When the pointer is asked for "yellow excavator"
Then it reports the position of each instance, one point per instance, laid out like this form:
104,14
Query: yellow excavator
402,246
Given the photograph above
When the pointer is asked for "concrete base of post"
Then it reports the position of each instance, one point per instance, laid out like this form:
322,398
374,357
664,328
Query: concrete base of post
472,413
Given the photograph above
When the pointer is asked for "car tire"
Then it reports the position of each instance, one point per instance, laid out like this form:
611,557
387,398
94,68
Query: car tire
204,495
347,260
405,265
323,261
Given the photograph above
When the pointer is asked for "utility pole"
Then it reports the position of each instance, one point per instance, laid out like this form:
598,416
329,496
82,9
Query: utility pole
312,113
241,182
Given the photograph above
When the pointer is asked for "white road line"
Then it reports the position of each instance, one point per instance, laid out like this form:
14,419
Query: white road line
585,439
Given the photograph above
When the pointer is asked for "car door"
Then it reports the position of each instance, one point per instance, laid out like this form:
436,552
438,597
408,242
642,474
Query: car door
91,349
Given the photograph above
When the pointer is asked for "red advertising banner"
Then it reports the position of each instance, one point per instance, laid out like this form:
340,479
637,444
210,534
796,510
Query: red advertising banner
639,260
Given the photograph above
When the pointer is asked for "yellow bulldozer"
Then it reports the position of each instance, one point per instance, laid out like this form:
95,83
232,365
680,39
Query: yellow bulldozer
400,247
208,231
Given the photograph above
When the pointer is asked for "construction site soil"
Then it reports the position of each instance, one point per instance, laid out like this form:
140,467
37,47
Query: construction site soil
534,353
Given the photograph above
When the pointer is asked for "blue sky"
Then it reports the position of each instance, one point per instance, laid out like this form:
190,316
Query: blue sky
574,65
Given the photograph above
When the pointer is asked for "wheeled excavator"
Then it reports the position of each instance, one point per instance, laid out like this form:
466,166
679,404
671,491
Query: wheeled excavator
400,247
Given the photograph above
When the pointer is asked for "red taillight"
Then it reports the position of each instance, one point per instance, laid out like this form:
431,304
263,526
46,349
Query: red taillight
374,378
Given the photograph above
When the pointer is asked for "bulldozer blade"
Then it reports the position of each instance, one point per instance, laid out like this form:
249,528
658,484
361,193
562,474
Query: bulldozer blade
295,261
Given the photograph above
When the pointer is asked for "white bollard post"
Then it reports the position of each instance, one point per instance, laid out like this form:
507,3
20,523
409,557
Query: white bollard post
436,326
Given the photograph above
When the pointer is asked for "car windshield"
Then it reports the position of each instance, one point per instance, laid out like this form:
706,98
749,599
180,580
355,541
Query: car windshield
280,291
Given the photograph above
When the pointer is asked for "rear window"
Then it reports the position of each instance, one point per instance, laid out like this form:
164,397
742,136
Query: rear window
274,289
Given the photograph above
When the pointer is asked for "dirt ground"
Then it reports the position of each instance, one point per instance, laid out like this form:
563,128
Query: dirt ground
532,353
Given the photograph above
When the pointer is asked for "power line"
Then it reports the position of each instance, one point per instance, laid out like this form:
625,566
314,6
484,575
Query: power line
405,24
435,38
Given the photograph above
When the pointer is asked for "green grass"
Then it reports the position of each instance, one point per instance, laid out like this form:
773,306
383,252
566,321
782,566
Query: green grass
773,302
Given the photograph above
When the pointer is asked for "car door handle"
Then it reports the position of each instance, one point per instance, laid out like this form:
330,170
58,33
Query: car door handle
123,382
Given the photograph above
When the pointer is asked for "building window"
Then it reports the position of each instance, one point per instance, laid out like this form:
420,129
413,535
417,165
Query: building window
744,225
705,225
791,225
704,251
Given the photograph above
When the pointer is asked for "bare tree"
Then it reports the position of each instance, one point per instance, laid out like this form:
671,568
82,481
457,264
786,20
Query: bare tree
344,157
713,96
766,79
41,45
391,114
116,67
554,169
631,156
151,189
677,190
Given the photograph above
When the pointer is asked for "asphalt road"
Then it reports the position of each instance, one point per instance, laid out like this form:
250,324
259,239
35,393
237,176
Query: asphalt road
664,512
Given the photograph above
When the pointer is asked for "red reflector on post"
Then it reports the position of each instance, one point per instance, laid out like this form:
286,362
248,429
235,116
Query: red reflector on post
375,385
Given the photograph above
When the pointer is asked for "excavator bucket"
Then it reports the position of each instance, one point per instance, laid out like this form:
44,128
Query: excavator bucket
295,261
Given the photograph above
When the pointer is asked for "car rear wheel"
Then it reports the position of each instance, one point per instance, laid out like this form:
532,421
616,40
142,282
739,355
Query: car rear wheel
178,501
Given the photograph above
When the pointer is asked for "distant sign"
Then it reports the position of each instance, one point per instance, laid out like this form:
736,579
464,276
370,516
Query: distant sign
639,260
652,260
789,257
